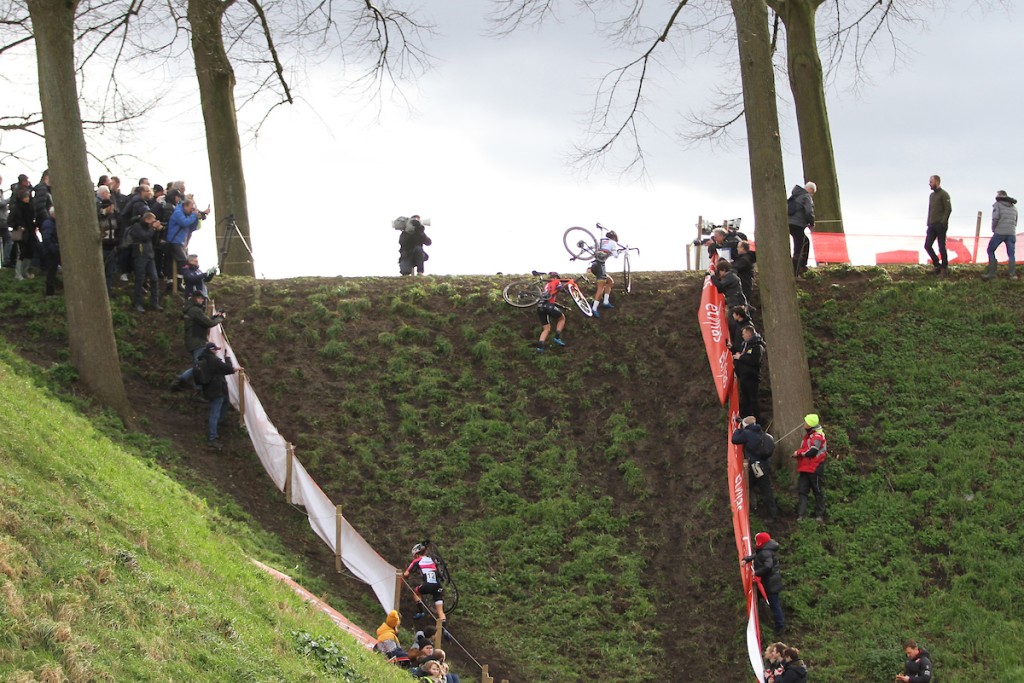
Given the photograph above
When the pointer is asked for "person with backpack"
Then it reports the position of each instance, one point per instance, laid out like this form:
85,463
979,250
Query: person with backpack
800,207
197,332
211,374
747,365
810,467
758,446
768,572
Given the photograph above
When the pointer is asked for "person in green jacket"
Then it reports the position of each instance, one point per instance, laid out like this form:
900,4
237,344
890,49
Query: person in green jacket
939,209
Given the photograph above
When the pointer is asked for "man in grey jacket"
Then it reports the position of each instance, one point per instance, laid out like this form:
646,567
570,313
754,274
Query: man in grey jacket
801,216
1004,231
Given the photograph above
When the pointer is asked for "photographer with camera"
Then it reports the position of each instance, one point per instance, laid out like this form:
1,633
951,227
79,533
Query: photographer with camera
758,447
141,234
411,256
194,277
211,375
197,331
723,243
110,232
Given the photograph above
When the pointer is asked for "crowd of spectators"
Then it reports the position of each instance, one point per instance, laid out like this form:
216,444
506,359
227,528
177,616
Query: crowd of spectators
423,661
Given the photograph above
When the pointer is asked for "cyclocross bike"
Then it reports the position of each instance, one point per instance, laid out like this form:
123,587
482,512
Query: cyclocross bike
526,293
582,245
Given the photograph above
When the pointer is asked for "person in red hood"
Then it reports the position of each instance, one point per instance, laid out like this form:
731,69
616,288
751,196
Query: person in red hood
768,570
810,466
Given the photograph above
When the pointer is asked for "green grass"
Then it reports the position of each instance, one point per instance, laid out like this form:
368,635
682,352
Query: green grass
921,395
109,570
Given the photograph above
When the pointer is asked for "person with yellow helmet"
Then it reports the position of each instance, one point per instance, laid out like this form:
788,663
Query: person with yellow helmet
810,465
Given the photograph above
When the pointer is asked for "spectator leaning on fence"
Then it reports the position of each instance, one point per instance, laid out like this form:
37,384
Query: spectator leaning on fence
1004,231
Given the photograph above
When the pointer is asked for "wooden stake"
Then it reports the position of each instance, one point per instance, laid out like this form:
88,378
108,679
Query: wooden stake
337,539
977,238
439,625
241,397
485,677
398,589
288,474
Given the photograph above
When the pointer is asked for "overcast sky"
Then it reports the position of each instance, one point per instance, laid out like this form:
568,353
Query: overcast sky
482,148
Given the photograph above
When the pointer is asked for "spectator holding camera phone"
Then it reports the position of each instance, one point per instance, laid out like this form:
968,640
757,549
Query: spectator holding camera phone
918,667
194,277
141,235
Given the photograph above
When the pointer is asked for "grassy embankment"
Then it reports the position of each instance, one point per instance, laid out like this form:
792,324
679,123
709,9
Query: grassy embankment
109,570
920,388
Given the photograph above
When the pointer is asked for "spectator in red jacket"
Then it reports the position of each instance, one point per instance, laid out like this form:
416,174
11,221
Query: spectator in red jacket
810,466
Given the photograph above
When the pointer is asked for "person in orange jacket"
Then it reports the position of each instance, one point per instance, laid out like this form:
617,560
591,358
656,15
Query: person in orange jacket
810,466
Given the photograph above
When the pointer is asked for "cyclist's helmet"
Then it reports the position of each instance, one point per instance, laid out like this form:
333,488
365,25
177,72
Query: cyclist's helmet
417,549
613,236
554,276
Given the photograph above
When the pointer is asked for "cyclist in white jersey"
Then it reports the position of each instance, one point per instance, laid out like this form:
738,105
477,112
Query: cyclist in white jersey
428,570
607,247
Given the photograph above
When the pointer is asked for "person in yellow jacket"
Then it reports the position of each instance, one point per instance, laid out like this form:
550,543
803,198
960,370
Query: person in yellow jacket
387,633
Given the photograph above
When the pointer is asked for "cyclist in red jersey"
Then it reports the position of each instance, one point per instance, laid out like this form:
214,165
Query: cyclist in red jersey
428,571
548,312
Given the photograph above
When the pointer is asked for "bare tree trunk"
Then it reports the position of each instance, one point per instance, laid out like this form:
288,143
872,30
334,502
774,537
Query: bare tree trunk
90,328
807,84
217,94
789,373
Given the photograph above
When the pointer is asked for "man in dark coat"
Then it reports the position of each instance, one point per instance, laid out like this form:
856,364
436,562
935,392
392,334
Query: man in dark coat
754,442
743,266
918,668
214,372
726,282
940,207
801,217
197,331
747,364
769,571
49,252
141,234
411,257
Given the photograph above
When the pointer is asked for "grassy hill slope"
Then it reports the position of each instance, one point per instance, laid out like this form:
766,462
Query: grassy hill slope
581,496
109,570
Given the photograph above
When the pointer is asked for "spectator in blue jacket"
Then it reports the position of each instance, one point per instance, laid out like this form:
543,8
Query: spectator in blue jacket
184,221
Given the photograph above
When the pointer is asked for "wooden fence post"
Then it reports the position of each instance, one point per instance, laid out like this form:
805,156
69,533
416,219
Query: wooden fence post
288,474
485,676
241,397
337,539
438,632
398,589
977,238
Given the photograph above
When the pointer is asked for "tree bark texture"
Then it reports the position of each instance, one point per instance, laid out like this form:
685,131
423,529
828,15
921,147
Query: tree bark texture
807,83
90,327
789,373
223,145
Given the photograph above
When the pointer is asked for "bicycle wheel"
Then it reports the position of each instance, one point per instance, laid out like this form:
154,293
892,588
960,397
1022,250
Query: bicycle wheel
580,243
627,279
580,299
523,294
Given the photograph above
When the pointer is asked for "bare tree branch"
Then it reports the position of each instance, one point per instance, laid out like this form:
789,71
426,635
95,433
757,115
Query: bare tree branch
273,50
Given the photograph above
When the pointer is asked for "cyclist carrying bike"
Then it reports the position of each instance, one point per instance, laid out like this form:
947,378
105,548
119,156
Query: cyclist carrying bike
428,571
548,311
607,247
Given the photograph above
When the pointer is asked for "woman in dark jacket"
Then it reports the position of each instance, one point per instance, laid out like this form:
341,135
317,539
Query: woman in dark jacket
22,218
794,669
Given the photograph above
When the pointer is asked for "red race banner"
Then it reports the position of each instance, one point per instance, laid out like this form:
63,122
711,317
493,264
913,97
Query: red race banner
739,495
715,330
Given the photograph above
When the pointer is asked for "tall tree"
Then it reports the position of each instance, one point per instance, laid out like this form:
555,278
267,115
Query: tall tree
90,327
789,372
807,83
223,146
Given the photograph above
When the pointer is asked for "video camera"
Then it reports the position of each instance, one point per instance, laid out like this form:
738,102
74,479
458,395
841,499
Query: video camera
731,227
405,223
